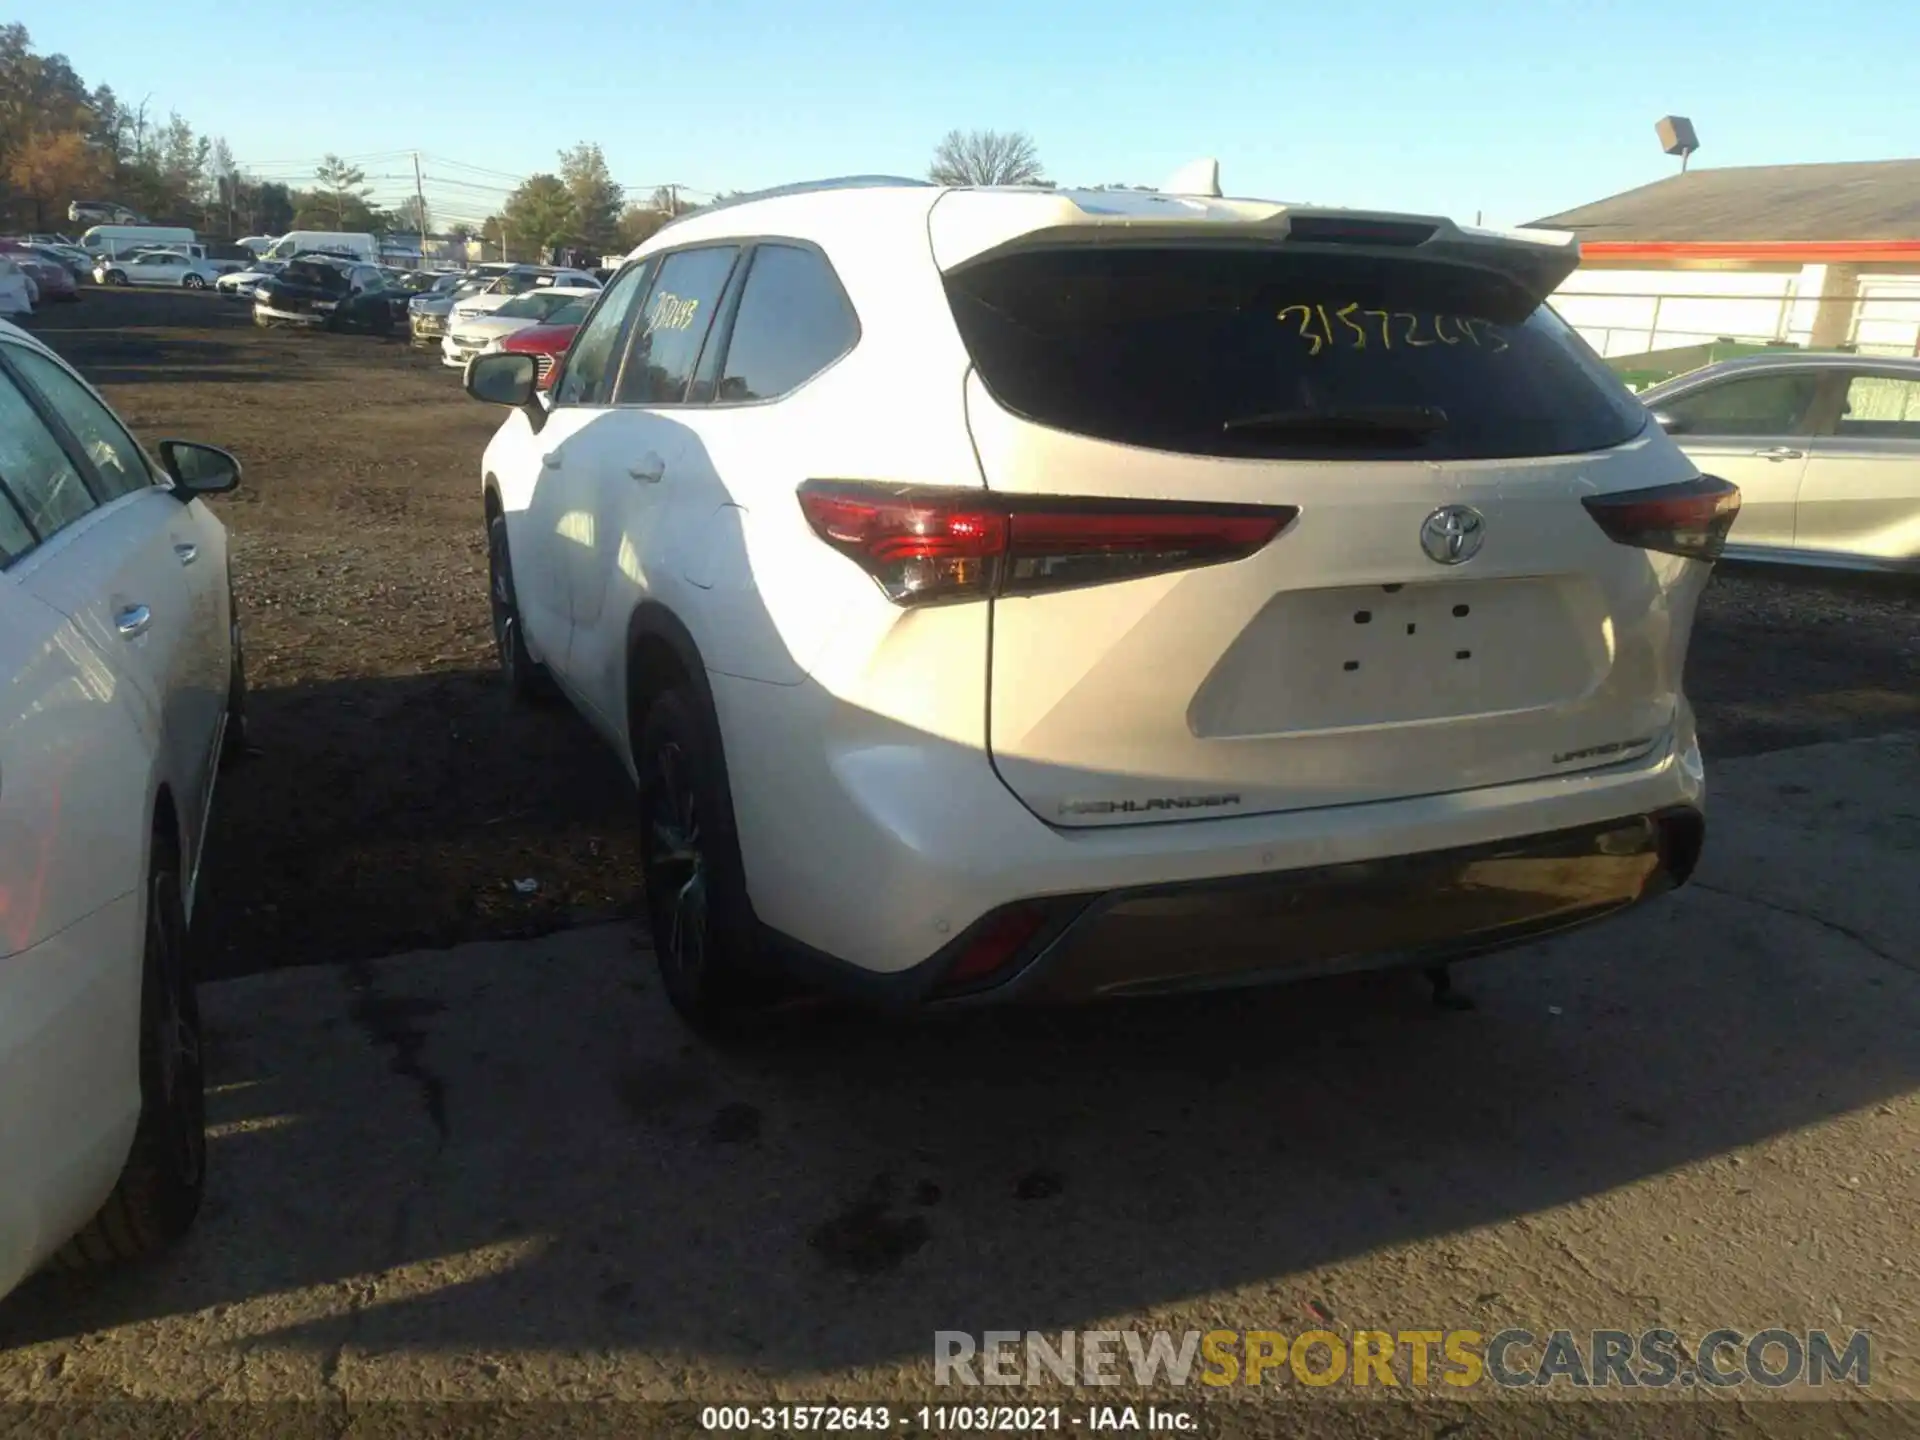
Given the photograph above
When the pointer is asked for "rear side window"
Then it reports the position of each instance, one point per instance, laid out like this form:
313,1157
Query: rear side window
1776,404
1267,352
674,325
1881,407
794,321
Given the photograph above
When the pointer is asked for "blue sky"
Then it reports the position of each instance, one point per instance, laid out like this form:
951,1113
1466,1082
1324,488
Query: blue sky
1512,109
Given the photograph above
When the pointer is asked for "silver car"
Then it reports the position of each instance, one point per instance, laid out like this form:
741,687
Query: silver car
1824,447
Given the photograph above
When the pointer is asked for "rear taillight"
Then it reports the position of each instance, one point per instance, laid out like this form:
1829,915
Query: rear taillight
925,545
1691,518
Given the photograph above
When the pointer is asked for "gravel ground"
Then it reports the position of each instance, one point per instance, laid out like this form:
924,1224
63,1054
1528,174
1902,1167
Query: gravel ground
397,796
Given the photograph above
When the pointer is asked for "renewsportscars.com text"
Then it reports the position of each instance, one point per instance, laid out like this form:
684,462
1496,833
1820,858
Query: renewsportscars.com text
1513,1358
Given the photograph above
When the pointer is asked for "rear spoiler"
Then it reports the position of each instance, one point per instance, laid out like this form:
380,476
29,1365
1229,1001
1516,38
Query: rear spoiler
974,227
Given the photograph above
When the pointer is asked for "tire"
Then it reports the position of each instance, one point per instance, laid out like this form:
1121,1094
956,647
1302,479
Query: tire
527,679
233,743
116,277
194,282
704,935
159,1190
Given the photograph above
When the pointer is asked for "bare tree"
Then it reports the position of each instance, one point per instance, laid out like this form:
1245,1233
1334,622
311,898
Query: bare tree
985,157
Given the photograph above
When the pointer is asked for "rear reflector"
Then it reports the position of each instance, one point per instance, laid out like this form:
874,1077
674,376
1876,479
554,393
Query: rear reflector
1691,518
996,942
924,545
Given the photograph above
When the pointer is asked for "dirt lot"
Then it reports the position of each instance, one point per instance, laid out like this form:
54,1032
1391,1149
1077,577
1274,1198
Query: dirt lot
397,796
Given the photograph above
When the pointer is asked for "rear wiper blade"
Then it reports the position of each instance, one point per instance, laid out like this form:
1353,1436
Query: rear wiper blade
1362,419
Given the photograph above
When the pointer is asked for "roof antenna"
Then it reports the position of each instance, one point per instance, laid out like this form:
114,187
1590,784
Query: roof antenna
1200,177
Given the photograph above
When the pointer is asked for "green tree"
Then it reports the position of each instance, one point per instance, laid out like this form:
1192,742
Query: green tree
638,224
272,208
414,216
985,157
539,215
342,193
596,198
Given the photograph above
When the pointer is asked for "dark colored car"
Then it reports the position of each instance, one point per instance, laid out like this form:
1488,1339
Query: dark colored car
320,293
55,280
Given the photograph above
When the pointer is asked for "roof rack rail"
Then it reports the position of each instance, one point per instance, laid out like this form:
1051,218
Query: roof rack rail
804,187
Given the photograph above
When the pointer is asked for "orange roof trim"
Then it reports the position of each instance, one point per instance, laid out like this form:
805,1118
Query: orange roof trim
1806,252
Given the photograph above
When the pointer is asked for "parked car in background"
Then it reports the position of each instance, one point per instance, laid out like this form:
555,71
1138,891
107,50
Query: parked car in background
357,244
157,267
111,242
124,687
518,280
427,314
1163,638
548,342
1824,445
241,284
102,212
79,264
16,289
318,292
470,335
52,280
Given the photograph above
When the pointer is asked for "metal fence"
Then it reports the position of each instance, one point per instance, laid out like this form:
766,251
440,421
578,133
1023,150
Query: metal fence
1871,324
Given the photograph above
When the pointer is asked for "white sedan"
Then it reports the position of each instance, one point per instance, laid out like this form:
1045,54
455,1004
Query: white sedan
240,284
121,689
158,267
16,289
471,334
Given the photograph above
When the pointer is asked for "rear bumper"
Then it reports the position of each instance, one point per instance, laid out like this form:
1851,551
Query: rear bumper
922,831
1426,909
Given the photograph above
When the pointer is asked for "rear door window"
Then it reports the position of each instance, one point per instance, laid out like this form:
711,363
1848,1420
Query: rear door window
1268,352
674,325
1777,403
593,361
118,462
39,477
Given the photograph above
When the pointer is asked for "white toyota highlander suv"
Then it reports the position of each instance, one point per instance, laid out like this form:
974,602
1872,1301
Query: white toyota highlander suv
1004,592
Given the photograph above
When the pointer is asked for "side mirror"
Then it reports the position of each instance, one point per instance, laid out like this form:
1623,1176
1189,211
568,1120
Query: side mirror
1669,422
502,379
199,469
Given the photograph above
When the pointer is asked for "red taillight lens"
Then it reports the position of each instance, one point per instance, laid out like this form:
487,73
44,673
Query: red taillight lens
1690,519
924,545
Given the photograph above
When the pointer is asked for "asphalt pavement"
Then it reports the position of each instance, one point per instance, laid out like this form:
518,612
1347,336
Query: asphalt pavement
505,1172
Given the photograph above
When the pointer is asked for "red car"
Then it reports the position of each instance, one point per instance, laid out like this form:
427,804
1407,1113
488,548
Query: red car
56,282
546,342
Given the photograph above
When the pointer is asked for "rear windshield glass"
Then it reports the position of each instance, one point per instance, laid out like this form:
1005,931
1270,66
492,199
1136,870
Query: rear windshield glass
1272,353
320,277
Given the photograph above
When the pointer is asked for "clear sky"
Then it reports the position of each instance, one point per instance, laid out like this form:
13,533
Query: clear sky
1516,110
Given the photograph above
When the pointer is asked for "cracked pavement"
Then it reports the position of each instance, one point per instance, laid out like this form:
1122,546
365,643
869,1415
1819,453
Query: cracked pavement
503,1171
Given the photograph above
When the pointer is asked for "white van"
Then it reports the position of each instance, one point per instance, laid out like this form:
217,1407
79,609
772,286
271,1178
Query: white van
334,242
114,241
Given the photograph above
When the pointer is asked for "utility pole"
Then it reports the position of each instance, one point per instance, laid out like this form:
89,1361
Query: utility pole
420,202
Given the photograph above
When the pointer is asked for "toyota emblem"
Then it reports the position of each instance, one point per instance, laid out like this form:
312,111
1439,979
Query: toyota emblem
1452,534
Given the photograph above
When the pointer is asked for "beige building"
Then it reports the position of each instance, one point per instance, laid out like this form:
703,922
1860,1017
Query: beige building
1812,255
